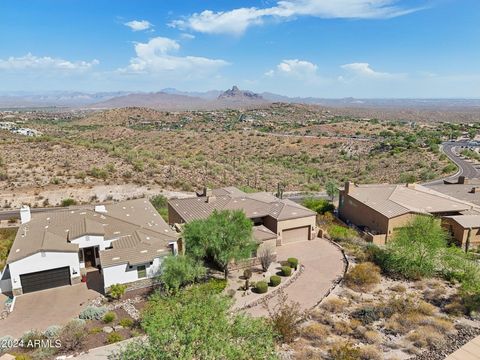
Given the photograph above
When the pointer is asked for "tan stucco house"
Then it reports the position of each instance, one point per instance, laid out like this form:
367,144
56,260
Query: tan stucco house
381,208
276,221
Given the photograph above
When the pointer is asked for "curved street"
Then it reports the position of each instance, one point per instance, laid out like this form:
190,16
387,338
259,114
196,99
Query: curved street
465,168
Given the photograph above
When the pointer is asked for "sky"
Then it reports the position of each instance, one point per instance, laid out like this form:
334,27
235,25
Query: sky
317,48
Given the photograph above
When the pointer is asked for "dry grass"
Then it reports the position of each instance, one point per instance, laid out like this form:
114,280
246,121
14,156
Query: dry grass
334,305
363,277
425,336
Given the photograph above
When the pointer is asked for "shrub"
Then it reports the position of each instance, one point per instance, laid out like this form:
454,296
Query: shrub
343,350
30,337
315,332
334,305
275,280
261,287
126,323
372,337
266,258
114,337
93,313
363,277
320,206
367,314
369,352
181,270
286,271
95,330
285,318
341,233
52,331
73,335
116,291
68,202
426,336
247,273
6,342
109,317
293,262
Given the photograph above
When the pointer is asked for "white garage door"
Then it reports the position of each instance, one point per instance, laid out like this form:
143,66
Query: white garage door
294,235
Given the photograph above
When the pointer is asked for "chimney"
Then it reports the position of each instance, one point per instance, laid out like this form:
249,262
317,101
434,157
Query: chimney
462,180
25,214
349,185
475,190
411,186
211,198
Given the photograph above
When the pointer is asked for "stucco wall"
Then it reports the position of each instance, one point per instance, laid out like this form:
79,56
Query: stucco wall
91,240
355,212
460,234
122,274
44,261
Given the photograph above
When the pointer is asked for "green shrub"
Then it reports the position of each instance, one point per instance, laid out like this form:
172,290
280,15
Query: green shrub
117,290
109,317
30,338
114,337
275,280
261,287
181,270
126,323
341,233
93,313
68,202
286,271
6,342
320,206
293,262
95,330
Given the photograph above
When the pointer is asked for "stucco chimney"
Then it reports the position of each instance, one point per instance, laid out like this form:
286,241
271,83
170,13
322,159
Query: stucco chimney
411,186
462,180
349,185
25,214
101,209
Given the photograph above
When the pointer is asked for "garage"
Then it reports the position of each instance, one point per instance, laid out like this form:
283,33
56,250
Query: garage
45,279
295,235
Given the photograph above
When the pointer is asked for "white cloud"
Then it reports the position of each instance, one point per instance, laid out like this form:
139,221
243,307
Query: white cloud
365,70
139,25
33,62
187,36
155,56
237,21
295,68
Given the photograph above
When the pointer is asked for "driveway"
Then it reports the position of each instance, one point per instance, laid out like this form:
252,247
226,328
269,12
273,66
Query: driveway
323,263
40,309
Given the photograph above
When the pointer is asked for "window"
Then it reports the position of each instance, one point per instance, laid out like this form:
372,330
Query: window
141,271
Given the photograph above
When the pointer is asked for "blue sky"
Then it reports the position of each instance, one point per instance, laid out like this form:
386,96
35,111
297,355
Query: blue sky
321,48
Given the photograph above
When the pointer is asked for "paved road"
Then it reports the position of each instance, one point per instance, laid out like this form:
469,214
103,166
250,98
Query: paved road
466,168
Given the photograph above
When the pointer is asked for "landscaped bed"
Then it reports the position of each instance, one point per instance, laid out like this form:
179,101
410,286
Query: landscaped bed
102,322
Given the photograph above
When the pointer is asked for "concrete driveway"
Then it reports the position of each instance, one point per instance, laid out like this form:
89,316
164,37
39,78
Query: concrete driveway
40,309
323,263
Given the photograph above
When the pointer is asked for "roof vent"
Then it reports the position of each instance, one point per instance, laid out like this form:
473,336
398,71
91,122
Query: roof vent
100,209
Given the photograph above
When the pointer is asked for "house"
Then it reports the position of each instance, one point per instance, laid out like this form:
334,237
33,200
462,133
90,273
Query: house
276,222
465,230
380,209
124,242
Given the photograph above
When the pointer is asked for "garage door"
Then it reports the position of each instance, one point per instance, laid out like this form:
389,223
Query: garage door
294,235
45,279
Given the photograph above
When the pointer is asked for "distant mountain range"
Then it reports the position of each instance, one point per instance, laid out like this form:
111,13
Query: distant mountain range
173,99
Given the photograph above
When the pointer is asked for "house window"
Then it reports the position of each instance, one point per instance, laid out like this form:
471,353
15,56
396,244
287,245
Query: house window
141,271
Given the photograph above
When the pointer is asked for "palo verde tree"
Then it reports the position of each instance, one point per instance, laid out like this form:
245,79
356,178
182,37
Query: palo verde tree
417,249
331,188
223,237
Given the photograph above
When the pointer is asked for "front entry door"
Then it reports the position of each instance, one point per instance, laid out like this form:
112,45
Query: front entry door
89,257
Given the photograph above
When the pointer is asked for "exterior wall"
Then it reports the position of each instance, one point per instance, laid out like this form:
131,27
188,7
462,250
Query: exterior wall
355,212
173,216
295,223
460,234
43,261
398,222
122,274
